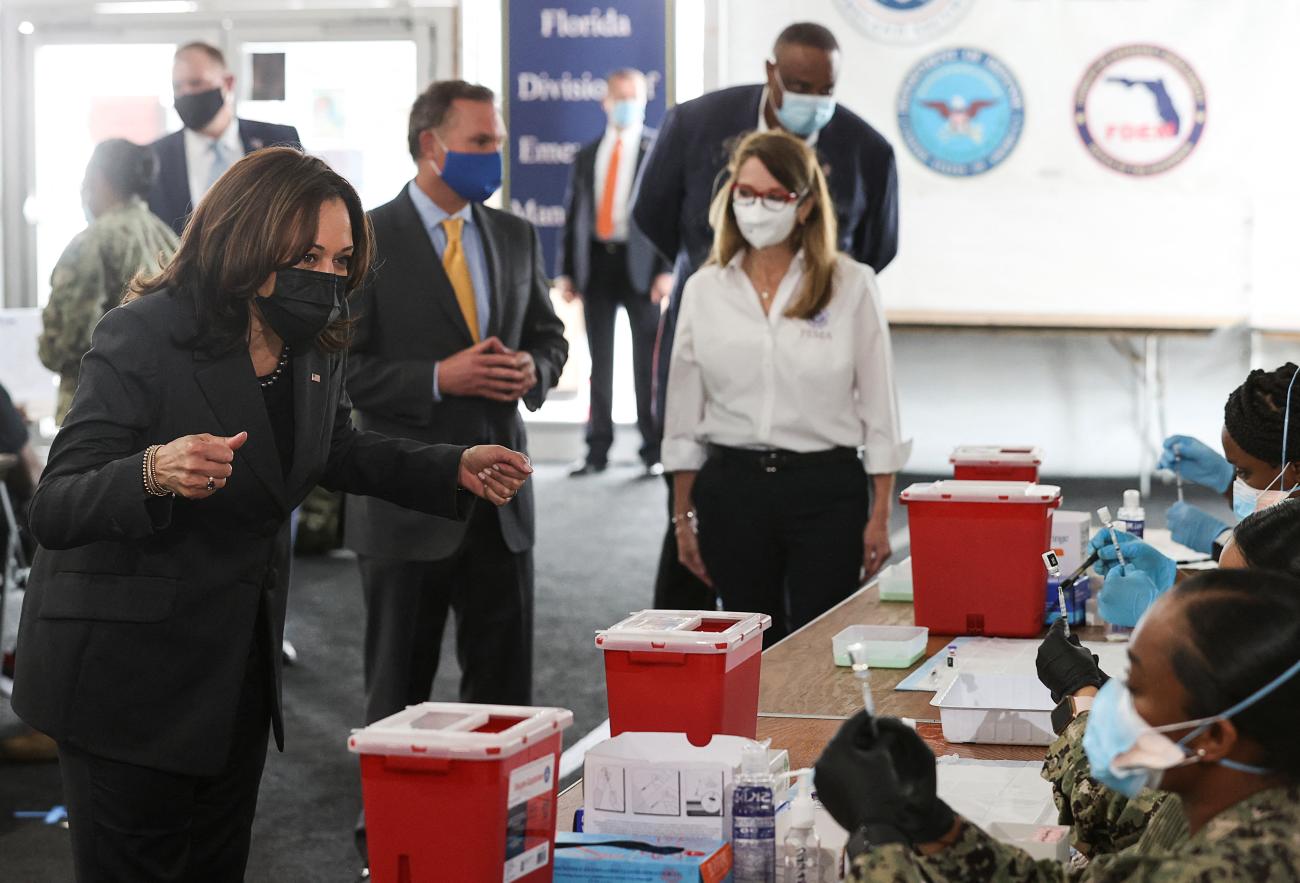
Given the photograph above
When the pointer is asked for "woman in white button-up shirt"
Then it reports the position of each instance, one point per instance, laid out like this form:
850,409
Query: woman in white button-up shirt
781,374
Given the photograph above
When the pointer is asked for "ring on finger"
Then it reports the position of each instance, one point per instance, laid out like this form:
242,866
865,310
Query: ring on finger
212,483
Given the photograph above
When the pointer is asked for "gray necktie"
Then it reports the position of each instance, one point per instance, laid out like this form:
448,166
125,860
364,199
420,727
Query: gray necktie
220,162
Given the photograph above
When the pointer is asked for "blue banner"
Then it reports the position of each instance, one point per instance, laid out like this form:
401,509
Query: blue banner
557,56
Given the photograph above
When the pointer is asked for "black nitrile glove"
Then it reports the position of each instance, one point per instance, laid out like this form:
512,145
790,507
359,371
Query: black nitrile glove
1064,666
882,780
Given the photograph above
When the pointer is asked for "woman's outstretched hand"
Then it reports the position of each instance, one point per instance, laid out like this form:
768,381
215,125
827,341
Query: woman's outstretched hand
494,473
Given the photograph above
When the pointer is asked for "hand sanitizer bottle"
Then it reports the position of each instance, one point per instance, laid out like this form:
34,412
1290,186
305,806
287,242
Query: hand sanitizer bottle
1133,516
802,850
753,819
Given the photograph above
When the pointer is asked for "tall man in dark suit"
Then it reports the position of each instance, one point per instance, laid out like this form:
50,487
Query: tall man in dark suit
684,168
191,160
454,330
608,263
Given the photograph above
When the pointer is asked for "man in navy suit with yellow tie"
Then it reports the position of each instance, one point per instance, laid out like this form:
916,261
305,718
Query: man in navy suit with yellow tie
191,160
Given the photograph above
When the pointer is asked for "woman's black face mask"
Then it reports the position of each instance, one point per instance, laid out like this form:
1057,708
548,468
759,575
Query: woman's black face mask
302,304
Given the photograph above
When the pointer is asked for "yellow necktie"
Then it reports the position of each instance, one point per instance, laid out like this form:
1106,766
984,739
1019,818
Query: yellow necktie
457,269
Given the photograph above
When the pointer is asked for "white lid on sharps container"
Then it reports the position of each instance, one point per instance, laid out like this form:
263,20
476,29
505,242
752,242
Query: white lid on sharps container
685,631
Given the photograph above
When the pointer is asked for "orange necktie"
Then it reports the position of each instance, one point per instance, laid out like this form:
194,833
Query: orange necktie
605,216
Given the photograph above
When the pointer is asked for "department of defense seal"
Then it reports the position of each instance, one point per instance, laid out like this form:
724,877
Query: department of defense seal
961,111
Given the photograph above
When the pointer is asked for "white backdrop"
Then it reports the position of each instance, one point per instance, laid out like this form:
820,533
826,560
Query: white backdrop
1051,230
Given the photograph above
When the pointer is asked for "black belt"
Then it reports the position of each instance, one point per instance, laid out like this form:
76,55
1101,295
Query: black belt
776,459
614,248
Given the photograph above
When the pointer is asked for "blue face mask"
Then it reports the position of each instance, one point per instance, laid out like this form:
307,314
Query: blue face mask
1127,754
474,176
803,114
627,112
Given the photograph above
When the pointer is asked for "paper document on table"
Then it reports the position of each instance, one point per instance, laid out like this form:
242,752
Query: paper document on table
1001,656
1164,543
986,791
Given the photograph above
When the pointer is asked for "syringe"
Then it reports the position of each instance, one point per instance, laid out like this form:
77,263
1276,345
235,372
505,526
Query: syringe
1054,568
862,671
1103,514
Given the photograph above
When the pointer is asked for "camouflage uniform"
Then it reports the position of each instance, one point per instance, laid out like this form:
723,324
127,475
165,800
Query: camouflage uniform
1106,821
1255,841
90,279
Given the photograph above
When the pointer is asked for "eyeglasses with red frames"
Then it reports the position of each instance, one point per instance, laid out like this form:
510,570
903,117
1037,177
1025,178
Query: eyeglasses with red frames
772,200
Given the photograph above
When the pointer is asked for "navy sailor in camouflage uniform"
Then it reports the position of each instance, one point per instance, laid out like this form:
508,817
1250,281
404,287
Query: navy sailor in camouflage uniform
124,238
1213,691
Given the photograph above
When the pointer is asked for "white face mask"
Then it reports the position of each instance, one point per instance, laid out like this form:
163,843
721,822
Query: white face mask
1247,500
761,226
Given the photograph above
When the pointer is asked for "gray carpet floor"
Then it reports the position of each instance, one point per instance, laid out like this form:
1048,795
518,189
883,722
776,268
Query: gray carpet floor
597,549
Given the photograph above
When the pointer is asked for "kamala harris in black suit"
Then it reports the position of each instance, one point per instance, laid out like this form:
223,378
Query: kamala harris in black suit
209,405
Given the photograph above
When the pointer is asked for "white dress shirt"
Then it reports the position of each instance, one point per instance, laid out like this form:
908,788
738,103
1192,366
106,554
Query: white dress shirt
742,379
199,157
631,138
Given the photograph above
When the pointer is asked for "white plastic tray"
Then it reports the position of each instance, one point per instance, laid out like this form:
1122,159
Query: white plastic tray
888,646
996,709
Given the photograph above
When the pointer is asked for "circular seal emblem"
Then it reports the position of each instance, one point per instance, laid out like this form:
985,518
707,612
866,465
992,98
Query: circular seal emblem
1140,109
961,111
903,21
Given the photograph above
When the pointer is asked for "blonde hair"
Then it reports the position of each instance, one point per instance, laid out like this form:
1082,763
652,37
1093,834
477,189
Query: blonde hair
795,165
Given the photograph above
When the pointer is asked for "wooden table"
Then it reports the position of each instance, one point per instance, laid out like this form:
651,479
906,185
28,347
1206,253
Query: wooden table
800,676
804,697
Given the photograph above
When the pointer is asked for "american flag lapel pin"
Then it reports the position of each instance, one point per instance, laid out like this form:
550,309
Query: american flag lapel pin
315,378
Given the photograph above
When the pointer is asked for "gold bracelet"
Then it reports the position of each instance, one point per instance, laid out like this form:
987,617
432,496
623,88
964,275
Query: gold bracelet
151,485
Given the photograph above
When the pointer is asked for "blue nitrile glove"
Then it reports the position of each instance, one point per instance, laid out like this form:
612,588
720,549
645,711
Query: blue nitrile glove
1160,569
1126,595
1193,528
1197,462
1100,540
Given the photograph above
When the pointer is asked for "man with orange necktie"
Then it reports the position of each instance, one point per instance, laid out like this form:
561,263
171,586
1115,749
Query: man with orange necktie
454,329
610,264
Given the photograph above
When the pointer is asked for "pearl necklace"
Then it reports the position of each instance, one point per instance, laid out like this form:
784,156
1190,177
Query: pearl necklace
279,369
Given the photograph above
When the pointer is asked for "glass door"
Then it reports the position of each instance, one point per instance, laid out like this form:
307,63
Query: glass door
74,112
349,100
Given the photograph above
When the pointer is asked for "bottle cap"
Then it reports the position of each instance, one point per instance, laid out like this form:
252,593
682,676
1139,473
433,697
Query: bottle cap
1132,499
753,760
802,808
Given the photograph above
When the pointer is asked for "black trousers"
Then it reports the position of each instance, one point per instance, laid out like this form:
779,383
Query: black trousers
490,590
676,588
607,290
134,824
786,543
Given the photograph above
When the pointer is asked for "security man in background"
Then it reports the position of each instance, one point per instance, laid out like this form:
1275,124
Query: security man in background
191,160
683,171
608,263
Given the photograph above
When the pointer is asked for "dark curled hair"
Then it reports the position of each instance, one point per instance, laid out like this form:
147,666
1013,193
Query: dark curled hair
433,105
1255,410
258,218
1243,627
129,168
1270,538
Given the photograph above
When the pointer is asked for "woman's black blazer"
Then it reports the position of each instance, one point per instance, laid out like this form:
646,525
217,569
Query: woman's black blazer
140,612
